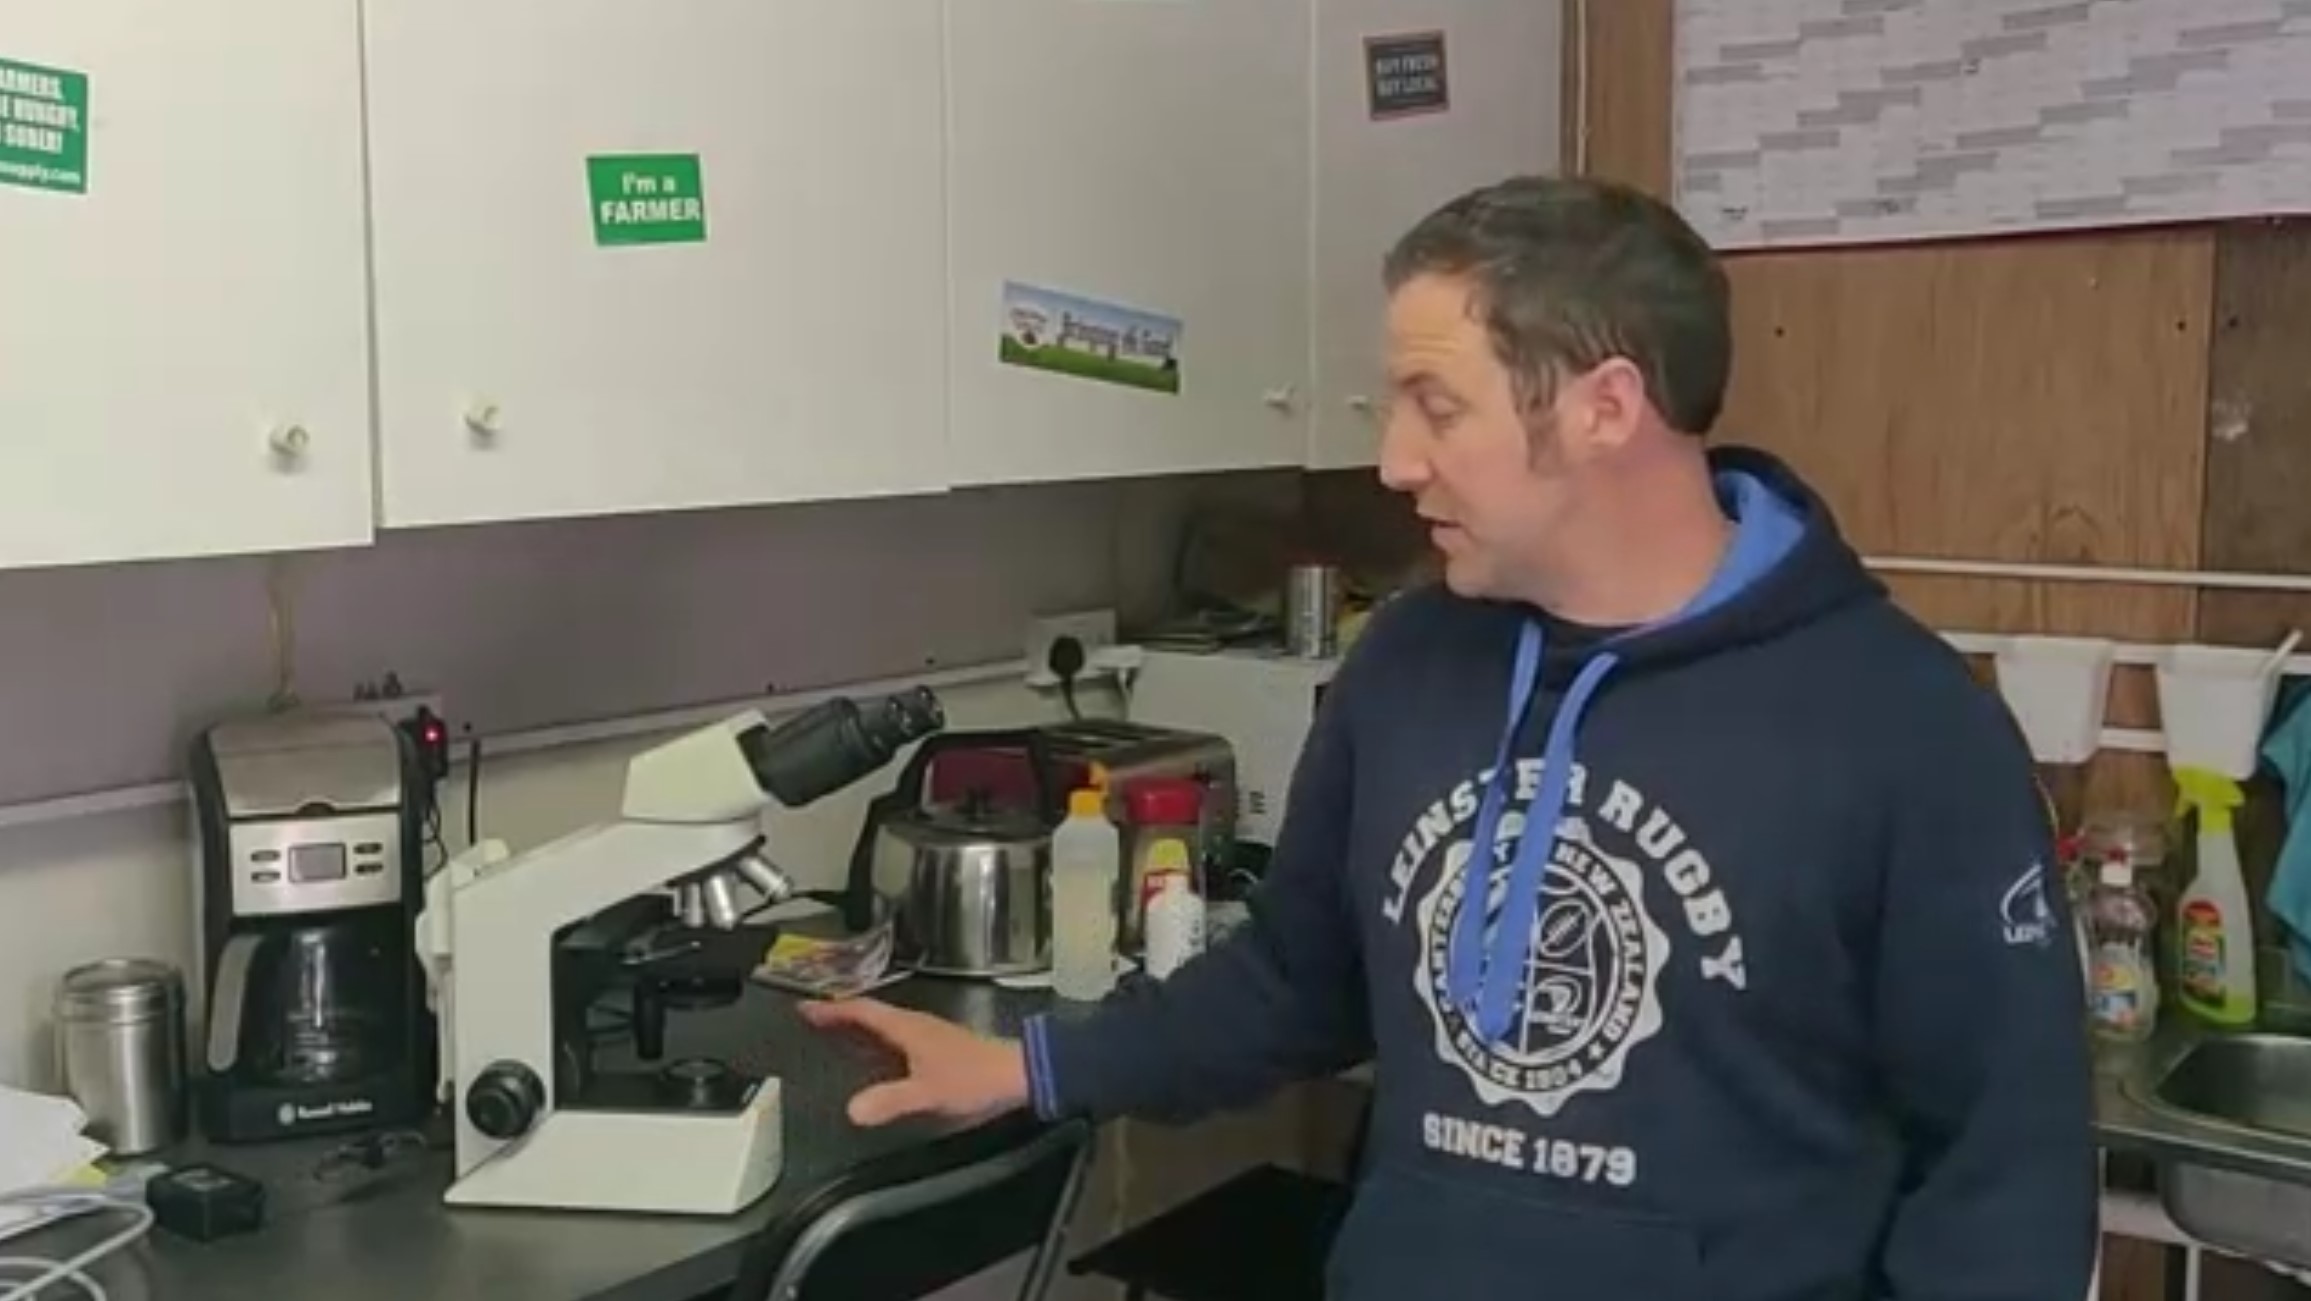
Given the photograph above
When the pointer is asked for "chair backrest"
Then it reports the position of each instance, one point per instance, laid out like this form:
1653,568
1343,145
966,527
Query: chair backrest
927,1217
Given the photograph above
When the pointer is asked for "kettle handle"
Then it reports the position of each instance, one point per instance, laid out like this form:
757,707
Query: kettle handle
906,794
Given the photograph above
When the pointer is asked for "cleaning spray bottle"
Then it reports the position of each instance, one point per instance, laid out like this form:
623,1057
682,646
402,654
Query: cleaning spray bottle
2215,948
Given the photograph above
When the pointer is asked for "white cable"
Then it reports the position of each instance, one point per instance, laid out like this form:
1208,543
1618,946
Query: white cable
74,1201
72,1269
89,1285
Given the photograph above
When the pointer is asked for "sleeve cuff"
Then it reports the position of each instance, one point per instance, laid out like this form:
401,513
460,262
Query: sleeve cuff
1042,1089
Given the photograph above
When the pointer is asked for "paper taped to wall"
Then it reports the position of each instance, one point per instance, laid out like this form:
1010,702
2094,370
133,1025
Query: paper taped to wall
1850,121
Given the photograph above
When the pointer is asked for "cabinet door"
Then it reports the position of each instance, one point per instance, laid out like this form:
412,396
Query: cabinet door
1130,233
184,349
640,257
1388,151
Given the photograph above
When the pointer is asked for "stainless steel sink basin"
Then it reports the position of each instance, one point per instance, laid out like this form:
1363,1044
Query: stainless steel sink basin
2255,1081
2256,1090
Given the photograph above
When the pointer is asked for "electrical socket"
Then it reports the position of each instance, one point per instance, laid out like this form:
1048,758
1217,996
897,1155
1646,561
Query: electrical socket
393,709
1093,628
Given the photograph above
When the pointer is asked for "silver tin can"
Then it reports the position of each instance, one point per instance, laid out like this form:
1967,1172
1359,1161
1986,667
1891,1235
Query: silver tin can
1312,612
121,1045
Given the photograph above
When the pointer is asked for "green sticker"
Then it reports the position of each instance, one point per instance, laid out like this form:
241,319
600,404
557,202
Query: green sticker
647,199
43,128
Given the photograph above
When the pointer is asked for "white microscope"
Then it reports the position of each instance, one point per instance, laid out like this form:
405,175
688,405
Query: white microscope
528,1134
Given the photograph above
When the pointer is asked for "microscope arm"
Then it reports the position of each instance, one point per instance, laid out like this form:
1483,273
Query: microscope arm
808,757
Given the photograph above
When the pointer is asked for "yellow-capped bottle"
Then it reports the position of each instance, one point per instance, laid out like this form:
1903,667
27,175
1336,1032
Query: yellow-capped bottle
1086,864
2215,948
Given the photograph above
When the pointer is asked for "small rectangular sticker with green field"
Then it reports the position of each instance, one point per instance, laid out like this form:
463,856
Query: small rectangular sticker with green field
1045,329
647,199
43,128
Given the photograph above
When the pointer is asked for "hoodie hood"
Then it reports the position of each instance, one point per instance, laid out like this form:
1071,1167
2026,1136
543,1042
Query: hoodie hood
1786,567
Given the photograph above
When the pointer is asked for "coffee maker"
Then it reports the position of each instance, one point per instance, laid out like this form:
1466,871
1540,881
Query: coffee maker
311,861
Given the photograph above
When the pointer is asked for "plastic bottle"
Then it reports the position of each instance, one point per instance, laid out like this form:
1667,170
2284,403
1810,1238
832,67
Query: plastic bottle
2076,886
2125,989
1163,817
2215,950
1175,925
2141,837
1086,864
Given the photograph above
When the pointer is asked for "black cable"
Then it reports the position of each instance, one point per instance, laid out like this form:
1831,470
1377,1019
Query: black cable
473,793
1066,659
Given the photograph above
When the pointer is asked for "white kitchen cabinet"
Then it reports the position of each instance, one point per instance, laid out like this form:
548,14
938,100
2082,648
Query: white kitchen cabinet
1147,157
534,361
1377,176
183,349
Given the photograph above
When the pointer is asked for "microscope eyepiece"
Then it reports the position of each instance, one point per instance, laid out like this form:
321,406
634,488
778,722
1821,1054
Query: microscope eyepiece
829,746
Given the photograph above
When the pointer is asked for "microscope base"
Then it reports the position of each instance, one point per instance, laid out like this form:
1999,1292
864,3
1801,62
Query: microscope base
652,1162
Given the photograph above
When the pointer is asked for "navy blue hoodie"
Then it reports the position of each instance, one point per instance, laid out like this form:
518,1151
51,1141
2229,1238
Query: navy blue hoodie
1786,1010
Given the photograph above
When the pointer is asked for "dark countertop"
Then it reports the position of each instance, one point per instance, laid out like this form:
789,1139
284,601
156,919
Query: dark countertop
386,1236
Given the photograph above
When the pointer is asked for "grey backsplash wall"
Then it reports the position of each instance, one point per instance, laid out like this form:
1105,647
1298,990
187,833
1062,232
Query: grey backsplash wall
107,670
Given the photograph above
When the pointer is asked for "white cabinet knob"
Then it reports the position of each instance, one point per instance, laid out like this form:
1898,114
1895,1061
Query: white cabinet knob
1361,404
482,417
1279,398
290,441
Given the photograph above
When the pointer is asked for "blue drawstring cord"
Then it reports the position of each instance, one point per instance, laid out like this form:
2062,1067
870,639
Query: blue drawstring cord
1483,981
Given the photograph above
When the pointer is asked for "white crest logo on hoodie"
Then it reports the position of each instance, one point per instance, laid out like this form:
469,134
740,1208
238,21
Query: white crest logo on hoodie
2026,918
1592,966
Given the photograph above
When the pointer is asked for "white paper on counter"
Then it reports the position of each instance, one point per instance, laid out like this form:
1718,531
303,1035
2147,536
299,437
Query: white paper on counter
44,1147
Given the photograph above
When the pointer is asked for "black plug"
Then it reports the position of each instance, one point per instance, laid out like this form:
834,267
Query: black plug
431,736
1066,659
203,1203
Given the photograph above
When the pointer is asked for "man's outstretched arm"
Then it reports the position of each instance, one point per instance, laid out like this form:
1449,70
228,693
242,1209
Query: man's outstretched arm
1281,998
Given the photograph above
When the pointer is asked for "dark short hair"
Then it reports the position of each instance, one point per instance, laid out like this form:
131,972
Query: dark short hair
1570,272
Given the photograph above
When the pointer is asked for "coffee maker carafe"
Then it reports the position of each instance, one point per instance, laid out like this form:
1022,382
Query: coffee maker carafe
312,830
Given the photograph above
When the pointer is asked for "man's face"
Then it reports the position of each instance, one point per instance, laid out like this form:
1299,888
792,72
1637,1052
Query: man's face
1491,477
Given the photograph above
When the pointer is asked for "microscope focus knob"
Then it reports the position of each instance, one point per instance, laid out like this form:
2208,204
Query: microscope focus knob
504,1100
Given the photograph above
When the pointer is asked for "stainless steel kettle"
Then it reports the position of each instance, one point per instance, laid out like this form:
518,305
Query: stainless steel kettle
967,882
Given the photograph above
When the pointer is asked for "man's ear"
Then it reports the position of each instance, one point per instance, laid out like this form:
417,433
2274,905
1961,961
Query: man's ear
1617,391
1600,410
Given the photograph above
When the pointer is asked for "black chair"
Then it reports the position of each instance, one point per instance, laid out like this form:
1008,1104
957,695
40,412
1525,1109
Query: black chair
1261,1236
916,1221
1264,1235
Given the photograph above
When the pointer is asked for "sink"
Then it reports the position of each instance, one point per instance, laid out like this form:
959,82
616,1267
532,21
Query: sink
2256,1089
2259,1082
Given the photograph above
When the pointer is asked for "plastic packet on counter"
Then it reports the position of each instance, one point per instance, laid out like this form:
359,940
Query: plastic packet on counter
822,967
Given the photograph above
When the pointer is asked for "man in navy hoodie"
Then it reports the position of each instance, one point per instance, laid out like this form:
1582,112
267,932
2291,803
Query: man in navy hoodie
1783,1008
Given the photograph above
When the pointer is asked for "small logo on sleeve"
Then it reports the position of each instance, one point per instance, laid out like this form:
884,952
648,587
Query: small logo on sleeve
2026,918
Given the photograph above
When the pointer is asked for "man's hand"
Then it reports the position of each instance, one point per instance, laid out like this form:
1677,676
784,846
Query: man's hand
950,1071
